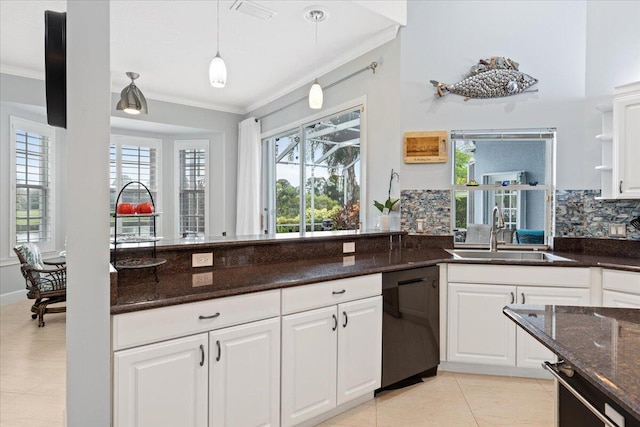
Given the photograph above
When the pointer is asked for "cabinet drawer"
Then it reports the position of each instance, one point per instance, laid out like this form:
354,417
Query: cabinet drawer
520,275
147,326
327,293
623,281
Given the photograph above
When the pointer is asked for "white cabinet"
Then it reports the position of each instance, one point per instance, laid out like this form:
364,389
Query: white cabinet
479,333
223,371
359,348
626,141
244,375
330,355
529,352
162,384
620,299
309,362
620,289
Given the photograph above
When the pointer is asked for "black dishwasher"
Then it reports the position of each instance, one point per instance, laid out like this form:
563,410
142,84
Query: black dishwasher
410,324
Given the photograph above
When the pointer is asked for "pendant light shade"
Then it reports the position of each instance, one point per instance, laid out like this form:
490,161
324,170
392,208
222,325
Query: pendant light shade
217,72
132,101
217,68
315,96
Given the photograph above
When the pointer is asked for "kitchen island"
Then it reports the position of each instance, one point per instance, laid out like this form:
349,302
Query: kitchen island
599,350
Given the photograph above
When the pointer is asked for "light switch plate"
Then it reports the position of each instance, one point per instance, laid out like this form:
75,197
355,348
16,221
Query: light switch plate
202,259
348,261
348,247
617,230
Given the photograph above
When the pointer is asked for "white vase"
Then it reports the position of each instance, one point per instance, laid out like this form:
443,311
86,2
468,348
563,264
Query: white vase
385,222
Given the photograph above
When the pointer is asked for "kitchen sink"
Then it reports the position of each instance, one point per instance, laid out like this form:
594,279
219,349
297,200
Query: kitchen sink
505,255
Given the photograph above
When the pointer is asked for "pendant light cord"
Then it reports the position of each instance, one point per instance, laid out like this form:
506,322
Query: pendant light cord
316,18
218,31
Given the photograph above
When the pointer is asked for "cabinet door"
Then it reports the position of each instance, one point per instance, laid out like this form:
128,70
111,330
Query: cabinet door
626,142
162,384
530,353
309,346
620,299
359,348
478,330
244,375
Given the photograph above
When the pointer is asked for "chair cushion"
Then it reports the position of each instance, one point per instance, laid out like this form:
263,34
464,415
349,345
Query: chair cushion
46,284
32,255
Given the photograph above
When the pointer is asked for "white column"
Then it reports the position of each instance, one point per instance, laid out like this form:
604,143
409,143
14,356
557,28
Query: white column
88,111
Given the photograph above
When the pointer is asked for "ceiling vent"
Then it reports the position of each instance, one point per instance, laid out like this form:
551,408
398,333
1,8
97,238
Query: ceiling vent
253,9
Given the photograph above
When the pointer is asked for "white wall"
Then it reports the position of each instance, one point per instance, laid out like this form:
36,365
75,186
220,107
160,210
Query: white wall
548,40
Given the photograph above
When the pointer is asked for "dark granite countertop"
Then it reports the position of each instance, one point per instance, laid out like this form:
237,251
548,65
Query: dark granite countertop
178,288
601,344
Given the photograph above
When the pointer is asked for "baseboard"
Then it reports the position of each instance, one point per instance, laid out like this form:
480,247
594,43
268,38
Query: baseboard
14,296
505,371
336,411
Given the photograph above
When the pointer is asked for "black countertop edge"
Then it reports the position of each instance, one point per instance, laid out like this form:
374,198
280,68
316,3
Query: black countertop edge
573,359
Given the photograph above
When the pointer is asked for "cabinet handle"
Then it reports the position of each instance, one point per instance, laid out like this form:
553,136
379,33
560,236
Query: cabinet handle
218,356
201,355
513,297
335,322
213,316
620,187
523,297
346,319
339,292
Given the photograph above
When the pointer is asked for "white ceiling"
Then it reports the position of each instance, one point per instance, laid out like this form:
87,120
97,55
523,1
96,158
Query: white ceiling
170,44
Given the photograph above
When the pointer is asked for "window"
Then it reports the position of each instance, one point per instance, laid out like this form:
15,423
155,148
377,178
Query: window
134,159
511,169
192,158
314,169
32,174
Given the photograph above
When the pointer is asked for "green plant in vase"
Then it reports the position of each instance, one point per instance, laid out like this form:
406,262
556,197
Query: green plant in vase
388,205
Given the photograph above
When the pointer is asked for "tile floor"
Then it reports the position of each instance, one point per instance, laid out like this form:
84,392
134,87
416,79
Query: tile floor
32,387
32,368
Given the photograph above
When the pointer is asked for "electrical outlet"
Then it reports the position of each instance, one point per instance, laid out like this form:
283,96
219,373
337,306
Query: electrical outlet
202,260
348,247
617,230
348,261
202,279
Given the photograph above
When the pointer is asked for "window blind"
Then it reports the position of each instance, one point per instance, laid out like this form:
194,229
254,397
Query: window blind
192,192
33,187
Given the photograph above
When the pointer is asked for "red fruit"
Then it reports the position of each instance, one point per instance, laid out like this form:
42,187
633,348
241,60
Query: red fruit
144,208
125,209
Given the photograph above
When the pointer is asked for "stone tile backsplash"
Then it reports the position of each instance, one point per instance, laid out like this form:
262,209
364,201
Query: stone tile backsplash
578,213
434,206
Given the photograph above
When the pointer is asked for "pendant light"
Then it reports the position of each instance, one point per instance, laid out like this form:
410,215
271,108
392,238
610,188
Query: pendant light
132,100
218,69
315,93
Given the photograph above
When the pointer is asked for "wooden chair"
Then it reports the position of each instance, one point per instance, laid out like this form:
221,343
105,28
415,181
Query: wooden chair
46,281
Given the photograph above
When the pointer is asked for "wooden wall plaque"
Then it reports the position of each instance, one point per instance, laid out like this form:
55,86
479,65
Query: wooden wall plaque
426,146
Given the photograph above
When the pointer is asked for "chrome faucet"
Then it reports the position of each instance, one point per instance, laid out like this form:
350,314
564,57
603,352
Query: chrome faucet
496,216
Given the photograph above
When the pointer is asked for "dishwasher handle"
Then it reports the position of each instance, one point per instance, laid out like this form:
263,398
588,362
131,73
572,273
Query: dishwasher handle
555,369
411,281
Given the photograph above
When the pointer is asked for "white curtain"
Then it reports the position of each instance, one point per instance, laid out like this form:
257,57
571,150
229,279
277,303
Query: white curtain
249,173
